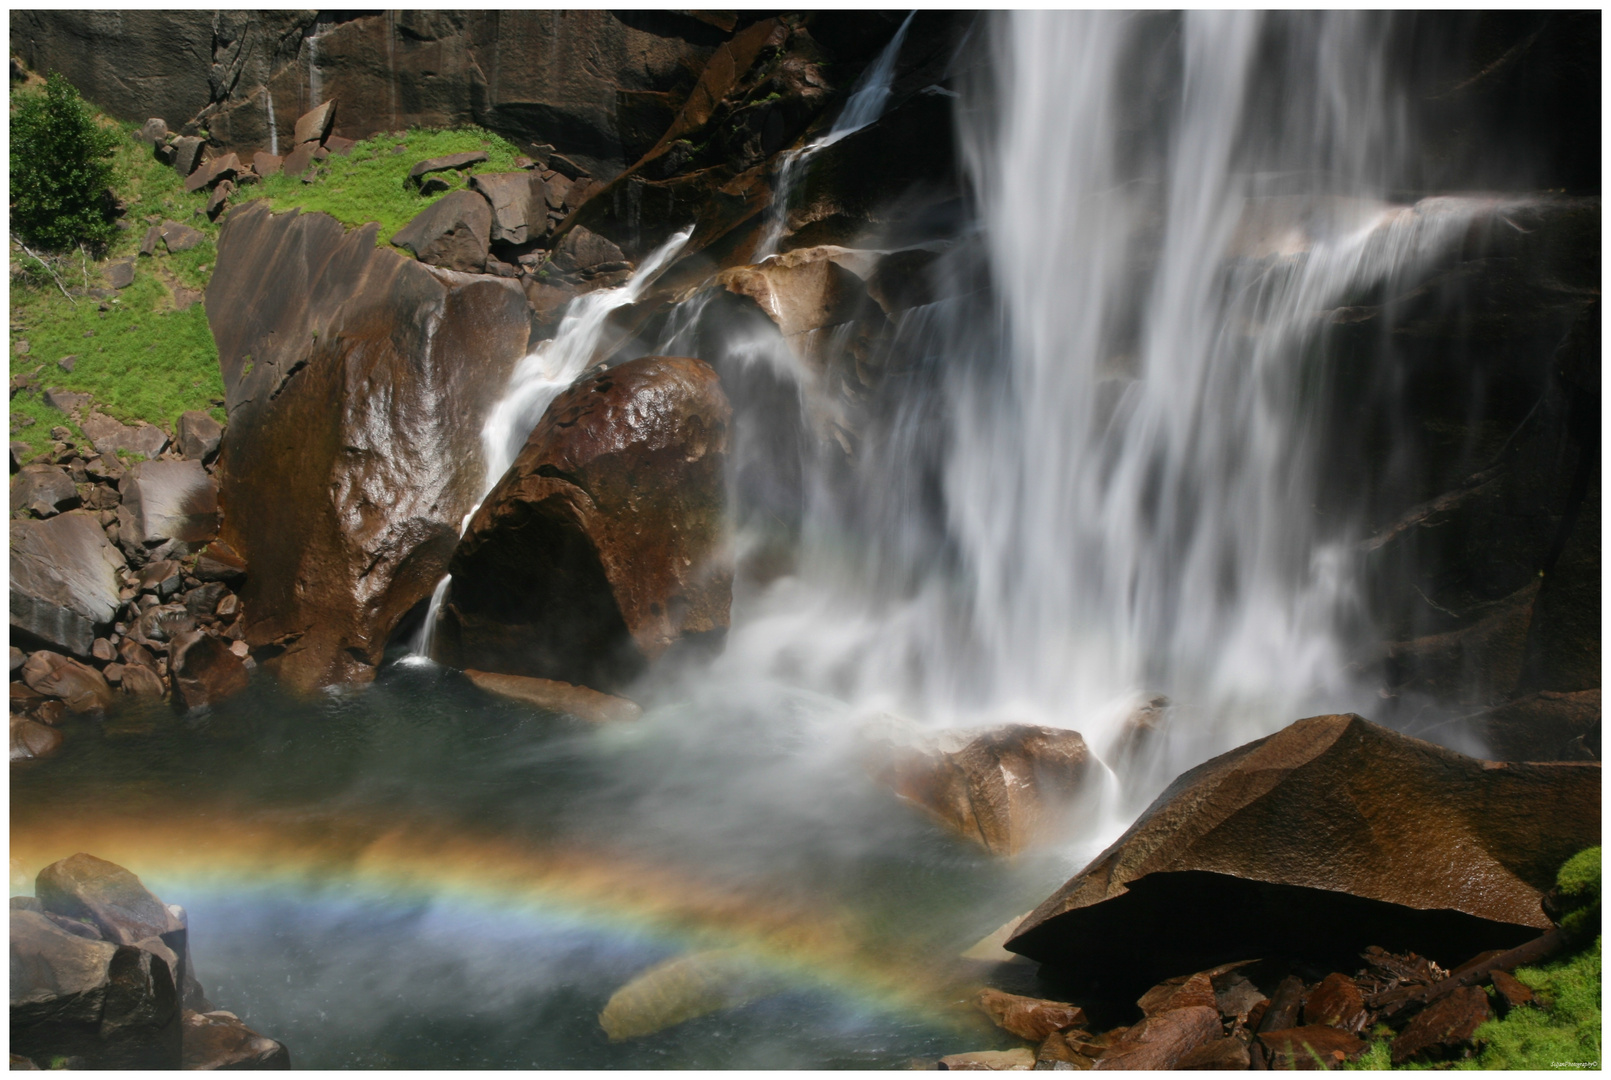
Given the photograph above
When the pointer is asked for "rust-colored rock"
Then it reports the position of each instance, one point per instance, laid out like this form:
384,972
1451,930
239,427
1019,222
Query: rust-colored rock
214,173
1545,726
31,739
1309,1047
218,1040
205,671
1027,1017
1159,1042
1179,993
356,384
1066,1046
79,685
1512,992
1219,1055
560,697
1330,835
1018,1060
1336,1002
602,545
1444,1028
1003,788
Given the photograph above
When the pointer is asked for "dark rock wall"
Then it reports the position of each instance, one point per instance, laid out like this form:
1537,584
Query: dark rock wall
591,82
356,380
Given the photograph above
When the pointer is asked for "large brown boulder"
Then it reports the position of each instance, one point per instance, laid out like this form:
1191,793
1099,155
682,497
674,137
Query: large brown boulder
356,383
219,1040
110,1006
64,581
81,687
602,545
1329,836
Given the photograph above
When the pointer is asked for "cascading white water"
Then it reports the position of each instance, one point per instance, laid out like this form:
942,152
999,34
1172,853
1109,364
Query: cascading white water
865,106
274,131
1101,485
537,380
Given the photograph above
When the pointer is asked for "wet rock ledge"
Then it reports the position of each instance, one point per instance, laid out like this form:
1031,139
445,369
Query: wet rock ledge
102,978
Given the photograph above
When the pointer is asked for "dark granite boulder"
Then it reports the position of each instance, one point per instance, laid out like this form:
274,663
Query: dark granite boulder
452,232
64,581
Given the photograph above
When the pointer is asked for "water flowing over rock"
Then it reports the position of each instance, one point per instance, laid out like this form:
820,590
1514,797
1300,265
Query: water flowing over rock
356,381
602,546
1328,836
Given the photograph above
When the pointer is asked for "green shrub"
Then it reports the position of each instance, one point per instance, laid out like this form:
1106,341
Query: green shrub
61,169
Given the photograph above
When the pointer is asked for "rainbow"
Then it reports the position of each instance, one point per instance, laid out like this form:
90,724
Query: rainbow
219,850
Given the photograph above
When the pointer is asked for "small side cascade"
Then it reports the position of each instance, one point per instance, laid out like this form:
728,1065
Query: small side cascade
274,132
536,381
865,106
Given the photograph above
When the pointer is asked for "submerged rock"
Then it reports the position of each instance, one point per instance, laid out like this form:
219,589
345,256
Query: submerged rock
219,1040
356,383
681,989
1331,835
560,697
602,545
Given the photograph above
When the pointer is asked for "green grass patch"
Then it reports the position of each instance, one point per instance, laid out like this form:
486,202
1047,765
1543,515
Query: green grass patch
367,184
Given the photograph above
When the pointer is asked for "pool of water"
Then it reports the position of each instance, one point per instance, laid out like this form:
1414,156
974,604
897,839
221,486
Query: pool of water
417,875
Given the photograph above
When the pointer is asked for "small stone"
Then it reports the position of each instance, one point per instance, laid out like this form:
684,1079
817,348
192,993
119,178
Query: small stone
102,650
139,681
120,273
442,164
219,199
1513,993
1016,1060
67,363
113,673
1336,1002
21,347
1297,1047
239,648
433,185
266,164
228,606
179,237
1444,1028
154,131
338,145
1027,1017
198,435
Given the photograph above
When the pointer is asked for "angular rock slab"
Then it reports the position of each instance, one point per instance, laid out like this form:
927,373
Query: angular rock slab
81,687
1326,837
113,1007
452,232
519,209
560,697
47,490
356,384
104,893
603,544
64,581
167,500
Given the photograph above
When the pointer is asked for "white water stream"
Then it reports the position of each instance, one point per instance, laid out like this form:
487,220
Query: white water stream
864,107
538,379
1098,483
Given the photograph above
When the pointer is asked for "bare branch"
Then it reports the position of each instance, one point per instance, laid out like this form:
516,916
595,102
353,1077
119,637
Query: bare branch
48,270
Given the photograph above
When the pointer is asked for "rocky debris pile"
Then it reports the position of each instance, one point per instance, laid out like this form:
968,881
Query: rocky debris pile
1270,1015
119,585
612,514
102,978
1002,788
1328,836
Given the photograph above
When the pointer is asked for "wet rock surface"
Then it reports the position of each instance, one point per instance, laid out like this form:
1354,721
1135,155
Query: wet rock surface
340,401
560,697
1003,788
65,587
602,545
101,978
1253,833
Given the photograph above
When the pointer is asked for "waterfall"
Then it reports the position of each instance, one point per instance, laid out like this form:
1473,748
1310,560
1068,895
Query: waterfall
274,132
1096,480
865,106
537,380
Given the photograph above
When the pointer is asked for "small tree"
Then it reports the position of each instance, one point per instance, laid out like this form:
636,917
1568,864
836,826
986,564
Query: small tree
60,169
